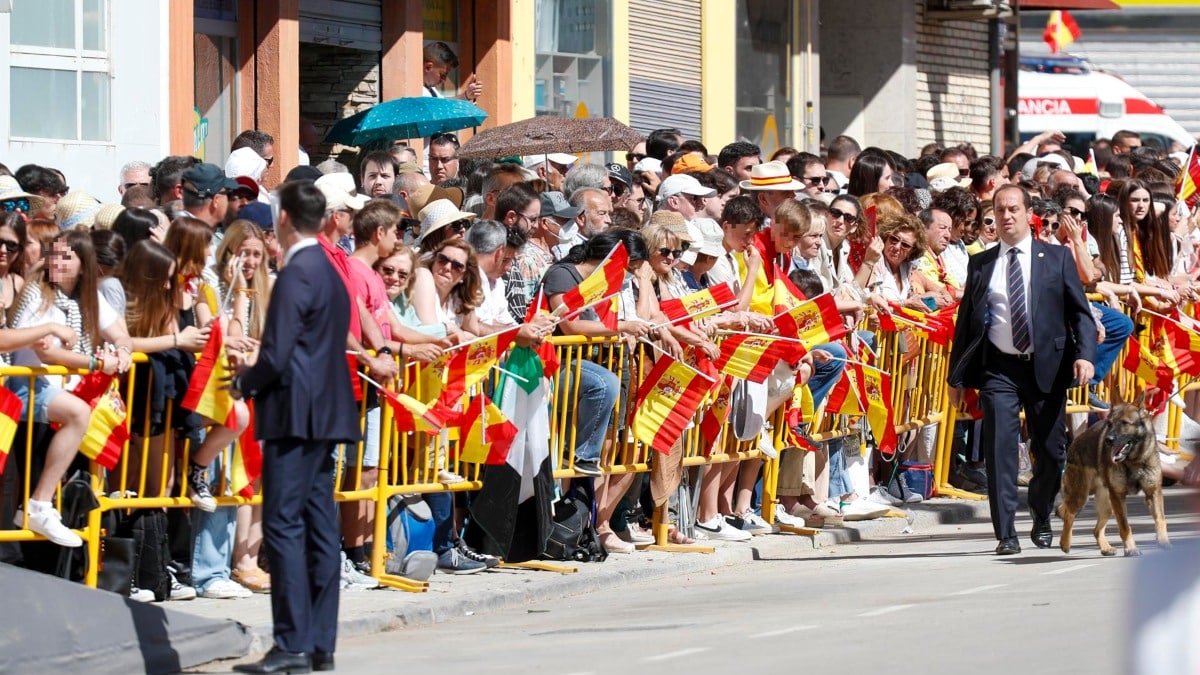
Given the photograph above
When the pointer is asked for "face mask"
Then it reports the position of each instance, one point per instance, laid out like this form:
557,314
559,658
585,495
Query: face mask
568,237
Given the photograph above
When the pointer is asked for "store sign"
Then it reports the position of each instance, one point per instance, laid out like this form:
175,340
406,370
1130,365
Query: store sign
199,133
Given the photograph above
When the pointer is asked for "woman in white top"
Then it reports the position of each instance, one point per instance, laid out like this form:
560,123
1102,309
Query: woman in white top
447,289
895,278
69,296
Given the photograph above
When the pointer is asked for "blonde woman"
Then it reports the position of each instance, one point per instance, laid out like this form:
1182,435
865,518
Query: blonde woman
448,288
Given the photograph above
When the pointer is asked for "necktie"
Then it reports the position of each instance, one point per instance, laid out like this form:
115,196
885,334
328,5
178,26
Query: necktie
1016,303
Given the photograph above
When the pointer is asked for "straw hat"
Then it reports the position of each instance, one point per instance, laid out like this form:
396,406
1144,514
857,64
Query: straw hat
438,214
944,176
771,176
11,189
76,209
674,222
427,194
107,215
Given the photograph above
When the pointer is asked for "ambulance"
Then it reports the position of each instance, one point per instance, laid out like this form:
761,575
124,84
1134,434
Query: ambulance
1065,93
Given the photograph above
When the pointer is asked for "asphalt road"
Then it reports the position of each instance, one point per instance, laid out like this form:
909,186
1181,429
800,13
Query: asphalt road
939,602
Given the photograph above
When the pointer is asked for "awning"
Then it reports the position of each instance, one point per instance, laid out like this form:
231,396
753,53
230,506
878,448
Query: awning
1039,5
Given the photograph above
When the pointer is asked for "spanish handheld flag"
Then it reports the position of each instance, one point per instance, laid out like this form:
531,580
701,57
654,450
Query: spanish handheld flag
877,389
785,295
846,396
459,368
859,241
10,416
544,351
753,357
814,322
489,434
936,326
697,305
1061,30
669,397
1148,367
106,434
1186,344
1188,180
413,415
716,414
1090,167
247,459
206,394
605,281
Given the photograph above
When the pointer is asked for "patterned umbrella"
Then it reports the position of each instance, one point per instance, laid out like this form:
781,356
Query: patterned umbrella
541,135
401,118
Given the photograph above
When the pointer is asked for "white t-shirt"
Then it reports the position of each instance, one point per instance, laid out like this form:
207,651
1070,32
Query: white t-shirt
494,308
35,316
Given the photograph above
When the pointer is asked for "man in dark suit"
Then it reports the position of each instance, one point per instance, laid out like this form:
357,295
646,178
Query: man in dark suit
305,406
1025,333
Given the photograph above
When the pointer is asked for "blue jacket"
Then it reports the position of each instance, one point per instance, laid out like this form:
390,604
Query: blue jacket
301,381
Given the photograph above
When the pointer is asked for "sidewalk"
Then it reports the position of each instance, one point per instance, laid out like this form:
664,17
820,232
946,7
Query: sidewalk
369,612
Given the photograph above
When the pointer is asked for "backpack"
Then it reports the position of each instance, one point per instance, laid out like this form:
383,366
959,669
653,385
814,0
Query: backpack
410,538
572,537
148,530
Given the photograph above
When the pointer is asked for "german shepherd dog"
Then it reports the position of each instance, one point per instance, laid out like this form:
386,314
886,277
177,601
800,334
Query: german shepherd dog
1112,459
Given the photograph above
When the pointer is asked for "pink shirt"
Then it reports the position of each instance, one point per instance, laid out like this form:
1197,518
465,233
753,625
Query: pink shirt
368,285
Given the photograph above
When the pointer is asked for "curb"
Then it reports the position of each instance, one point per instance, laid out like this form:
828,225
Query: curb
597,577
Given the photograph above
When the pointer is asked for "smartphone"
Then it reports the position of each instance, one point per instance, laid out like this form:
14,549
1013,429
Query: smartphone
930,303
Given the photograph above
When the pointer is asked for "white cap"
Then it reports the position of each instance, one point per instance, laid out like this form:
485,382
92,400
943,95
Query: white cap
709,240
336,195
649,164
561,158
245,162
1052,158
682,183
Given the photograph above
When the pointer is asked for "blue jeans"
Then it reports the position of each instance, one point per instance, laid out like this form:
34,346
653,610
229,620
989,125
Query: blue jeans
1117,329
826,374
839,479
593,409
441,505
212,548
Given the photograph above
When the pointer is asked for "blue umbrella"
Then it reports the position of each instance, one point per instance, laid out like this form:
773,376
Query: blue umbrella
413,117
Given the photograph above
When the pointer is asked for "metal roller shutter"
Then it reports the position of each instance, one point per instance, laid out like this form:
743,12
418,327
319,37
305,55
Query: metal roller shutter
354,24
664,65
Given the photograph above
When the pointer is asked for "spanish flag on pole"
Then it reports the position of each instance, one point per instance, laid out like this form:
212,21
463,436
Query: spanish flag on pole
605,281
753,357
247,459
784,293
106,434
10,416
697,305
1148,367
877,389
412,415
716,414
488,433
1188,180
669,397
1061,30
460,368
206,394
815,322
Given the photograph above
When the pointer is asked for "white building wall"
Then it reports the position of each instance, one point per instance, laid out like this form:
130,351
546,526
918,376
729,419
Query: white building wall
138,65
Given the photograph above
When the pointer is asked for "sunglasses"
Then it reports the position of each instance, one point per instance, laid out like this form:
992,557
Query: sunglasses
609,189
815,180
11,205
988,221
893,240
838,214
460,226
443,259
668,253
388,271
1075,213
410,224
964,173
1052,224
10,245
129,185
634,157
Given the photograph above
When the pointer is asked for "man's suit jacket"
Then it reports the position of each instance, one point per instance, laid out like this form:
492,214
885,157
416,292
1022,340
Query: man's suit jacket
1060,319
301,381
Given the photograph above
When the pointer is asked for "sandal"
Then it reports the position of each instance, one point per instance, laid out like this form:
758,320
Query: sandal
255,580
675,536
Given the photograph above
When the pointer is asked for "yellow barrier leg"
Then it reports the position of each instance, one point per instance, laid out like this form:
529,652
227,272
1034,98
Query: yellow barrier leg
662,537
945,447
379,546
769,500
92,536
541,566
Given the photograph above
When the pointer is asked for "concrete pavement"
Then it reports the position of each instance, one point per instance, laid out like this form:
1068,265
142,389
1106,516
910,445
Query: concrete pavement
776,585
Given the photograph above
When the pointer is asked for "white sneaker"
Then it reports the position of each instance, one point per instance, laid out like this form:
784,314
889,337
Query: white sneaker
141,594
767,447
754,524
353,580
225,589
718,529
784,518
861,509
179,592
880,495
47,522
632,534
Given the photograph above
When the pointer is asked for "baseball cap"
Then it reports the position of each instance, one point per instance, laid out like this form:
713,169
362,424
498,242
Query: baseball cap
205,180
247,186
945,176
710,241
618,172
693,161
1052,158
336,195
259,214
556,204
683,184
302,172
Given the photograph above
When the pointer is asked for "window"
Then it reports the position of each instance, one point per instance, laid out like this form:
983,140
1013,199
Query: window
764,47
439,20
573,45
59,81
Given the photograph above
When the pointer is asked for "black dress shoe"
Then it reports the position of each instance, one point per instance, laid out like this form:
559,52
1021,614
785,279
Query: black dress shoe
1041,534
279,661
322,661
1008,546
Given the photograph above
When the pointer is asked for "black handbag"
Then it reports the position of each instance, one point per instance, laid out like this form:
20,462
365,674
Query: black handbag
118,559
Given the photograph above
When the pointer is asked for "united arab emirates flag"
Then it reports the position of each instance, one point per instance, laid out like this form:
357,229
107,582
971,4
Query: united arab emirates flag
513,506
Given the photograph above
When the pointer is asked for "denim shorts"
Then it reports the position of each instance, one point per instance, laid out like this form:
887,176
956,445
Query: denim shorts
370,443
43,394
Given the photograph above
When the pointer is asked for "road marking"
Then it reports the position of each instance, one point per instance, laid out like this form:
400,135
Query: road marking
885,610
781,631
674,655
978,589
1064,570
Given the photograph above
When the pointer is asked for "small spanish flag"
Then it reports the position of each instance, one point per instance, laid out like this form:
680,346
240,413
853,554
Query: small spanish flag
206,394
753,357
717,414
247,459
1188,180
877,389
412,415
846,396
697,305
669,397
10,416
545,351
814,322
488,433
1148,367
1061,30
606,280
106,434
1186,344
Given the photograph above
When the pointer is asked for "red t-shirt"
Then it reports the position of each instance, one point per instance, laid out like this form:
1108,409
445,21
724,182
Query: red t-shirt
368,286
340,262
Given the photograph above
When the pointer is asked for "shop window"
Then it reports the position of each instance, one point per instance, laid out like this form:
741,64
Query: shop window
573,58
440,24
58,80
215,106
764,47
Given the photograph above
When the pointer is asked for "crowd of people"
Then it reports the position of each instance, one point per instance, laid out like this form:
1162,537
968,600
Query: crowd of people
436,250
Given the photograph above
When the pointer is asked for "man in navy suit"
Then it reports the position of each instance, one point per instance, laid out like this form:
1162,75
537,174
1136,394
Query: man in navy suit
1025,333
305,406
